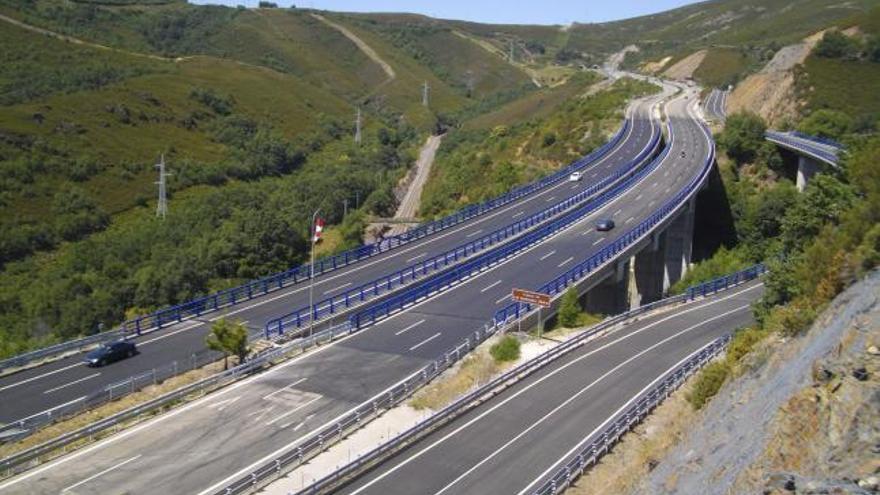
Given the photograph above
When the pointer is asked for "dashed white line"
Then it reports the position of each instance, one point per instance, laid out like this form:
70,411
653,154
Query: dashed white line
417,257
295,409
432,337
599,240
484,289
407,329
551,198
502,299
111,468
551,253
337,288
59,370
618,211
518,214
474,233
72,383
630,219
566,261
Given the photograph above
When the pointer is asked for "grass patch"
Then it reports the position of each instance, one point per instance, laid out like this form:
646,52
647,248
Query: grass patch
476,369
721,67
847,86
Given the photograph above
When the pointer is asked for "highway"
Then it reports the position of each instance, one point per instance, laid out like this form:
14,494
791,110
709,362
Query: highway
59,382
513,442
201,446
716,104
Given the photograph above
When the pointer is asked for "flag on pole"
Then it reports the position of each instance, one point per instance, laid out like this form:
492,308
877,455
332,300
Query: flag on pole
319,228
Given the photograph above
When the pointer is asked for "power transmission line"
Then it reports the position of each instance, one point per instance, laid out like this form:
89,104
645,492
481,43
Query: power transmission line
162,207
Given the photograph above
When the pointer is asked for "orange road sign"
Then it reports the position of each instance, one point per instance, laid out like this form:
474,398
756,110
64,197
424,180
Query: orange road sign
531,297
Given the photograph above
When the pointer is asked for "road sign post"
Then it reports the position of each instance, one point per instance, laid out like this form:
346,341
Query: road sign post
531,297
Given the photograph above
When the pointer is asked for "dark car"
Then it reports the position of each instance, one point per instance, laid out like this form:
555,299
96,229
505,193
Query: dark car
111,352
605,225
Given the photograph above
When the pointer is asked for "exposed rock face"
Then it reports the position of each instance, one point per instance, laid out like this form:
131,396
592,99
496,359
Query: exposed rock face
770,92
685,67
799,422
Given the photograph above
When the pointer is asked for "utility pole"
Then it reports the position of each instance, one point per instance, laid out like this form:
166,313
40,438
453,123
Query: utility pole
162,207
425,89
357,127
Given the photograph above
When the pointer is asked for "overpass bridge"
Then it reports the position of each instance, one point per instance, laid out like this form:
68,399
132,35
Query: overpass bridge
218,441
813,152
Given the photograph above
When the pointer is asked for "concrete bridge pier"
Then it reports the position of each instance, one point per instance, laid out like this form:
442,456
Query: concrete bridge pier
648,279
807,168
679,245
610,296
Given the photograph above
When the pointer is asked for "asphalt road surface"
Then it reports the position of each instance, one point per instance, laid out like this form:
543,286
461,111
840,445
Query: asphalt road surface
201,446
513,442
44,387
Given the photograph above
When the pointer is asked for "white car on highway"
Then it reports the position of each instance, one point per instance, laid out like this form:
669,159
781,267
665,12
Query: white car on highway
575,177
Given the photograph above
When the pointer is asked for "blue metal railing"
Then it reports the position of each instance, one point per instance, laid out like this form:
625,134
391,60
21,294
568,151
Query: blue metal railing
611,251
228,297
358,295
819,139
442,282
721,283
804,145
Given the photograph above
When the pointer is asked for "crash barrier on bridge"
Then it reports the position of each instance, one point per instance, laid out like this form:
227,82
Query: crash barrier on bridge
317,443
818,139
721,283
232,296
622,243
262,286
802,144
592,452
492,388
480,263
27,458
359,295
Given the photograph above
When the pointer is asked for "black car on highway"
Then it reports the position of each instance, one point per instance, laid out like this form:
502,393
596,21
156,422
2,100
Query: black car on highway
605,225
111,352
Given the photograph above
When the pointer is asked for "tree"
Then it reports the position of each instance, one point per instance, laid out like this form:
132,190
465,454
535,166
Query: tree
873,49
570,308
823,201
835,44
743,136
827,123
228,337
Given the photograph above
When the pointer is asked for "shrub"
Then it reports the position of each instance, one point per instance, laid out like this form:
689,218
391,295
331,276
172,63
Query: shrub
708,384
506,349
835,44
743,136
569,308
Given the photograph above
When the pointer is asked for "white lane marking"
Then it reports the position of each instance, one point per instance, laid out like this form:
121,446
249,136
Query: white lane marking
295,409
223,404
551,198
474,233
277,369
618,211
634,397
484,289
518,214
639,197
282,389
551,253
417,257
72,383
599,240
630,219
651,203
432,337
258,411
539,382
337,288
37,377
111,468
565,262
300,425
502,299
171,334
407,329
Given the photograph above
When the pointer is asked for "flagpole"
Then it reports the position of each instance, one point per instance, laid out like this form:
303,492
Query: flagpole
313,232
